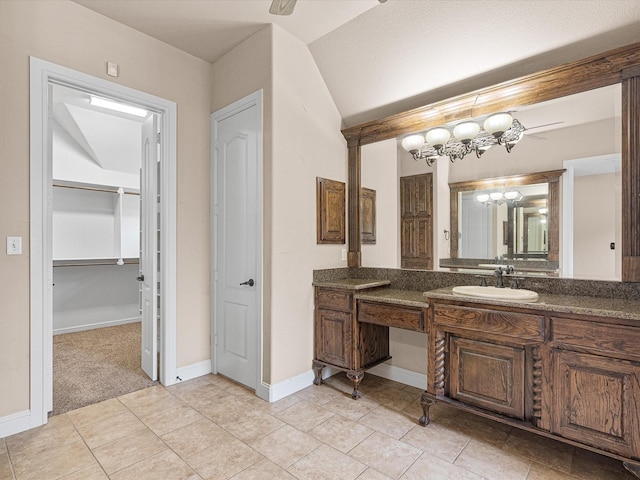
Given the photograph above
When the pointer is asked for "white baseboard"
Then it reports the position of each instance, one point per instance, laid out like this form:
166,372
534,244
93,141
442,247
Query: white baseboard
273,393
91,326
15,423
400,375
193,371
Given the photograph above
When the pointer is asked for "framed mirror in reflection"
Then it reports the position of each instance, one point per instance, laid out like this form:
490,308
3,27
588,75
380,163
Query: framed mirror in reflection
579,129
504,223
510,220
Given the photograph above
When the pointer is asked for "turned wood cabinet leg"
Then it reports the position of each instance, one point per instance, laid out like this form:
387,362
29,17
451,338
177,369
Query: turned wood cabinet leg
634,468
355,377
426,403
317,372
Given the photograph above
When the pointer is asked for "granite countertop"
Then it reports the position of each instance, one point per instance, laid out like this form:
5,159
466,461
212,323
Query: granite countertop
408,298
597,306
352,283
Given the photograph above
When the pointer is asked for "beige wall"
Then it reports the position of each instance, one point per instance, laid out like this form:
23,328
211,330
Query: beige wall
67,34
232,81
302,141
307,143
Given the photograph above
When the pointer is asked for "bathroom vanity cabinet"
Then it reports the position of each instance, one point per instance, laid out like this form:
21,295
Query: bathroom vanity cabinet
564,375
567,368
352,320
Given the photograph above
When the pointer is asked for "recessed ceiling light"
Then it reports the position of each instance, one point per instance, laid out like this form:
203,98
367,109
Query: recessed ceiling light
119,107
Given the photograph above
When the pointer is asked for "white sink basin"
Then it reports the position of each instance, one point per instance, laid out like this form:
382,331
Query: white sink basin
494,293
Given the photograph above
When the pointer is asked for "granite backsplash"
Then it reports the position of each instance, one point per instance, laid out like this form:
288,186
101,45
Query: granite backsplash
422,280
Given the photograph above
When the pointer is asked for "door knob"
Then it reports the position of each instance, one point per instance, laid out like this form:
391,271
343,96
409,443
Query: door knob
249,282
141,278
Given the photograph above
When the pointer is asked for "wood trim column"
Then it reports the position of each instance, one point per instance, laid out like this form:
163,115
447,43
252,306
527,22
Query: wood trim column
354,258
631,175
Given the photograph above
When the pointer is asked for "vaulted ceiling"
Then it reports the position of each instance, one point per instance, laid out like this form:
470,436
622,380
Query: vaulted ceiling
382,58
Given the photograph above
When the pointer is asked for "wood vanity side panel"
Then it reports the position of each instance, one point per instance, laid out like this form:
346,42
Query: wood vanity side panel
373,344
516,325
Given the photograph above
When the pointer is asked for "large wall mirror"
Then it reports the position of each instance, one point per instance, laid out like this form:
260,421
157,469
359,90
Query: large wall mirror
576,164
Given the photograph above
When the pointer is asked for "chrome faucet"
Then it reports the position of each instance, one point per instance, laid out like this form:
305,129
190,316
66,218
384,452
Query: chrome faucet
507,269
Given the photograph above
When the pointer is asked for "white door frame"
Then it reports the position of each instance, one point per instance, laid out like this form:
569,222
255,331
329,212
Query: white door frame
254,99
42,73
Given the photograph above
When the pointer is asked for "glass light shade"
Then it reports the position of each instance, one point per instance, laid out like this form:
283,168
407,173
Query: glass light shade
495,196
513,194
483,197
412,143
438,137
498,123
466,131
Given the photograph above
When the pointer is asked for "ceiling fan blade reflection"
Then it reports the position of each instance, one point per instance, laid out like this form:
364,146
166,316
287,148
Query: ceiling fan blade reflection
282,7
545,125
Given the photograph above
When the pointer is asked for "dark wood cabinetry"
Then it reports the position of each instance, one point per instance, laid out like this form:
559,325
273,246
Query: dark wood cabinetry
474,361
416,221
575,378
343,343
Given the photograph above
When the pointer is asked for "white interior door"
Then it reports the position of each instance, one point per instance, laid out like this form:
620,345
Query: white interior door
148,246
237,238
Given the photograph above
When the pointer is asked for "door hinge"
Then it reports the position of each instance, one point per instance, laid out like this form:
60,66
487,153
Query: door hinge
215,275
157,138
215,339
216,146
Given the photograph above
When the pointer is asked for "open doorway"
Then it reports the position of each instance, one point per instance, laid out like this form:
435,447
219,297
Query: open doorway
160,148
96,155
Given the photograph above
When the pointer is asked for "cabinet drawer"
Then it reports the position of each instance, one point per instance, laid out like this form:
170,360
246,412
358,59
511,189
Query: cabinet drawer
520,325
391,316
616,340
333,299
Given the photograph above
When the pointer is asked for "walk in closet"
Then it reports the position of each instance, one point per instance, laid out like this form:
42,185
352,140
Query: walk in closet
96,233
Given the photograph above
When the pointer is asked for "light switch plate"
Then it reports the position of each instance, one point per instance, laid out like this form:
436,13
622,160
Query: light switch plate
14,245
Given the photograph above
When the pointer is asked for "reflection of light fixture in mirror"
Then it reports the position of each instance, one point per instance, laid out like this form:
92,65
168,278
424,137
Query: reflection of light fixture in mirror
499,128
543,210
118,107
438,138
543,220
413,143
466,131
497,124
499,197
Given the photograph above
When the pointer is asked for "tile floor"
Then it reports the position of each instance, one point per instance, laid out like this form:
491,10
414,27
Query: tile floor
211,428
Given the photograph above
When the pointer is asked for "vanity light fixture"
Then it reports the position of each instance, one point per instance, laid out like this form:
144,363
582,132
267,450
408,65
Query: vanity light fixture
498,129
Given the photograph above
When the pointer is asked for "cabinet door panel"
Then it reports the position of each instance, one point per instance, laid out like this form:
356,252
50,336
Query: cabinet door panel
334,338
487,375
597,401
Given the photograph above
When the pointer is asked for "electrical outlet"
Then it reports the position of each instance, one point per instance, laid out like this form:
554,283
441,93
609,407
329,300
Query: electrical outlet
344,254
14,245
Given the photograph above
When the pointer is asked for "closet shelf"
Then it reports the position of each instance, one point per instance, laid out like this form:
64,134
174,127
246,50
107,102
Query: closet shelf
94,187
86,262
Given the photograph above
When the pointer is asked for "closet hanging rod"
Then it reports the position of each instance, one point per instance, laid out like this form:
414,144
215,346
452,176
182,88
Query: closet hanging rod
90,263
92,189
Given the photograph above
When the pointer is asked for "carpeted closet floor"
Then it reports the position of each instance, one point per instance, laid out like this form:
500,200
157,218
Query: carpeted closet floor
95,365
